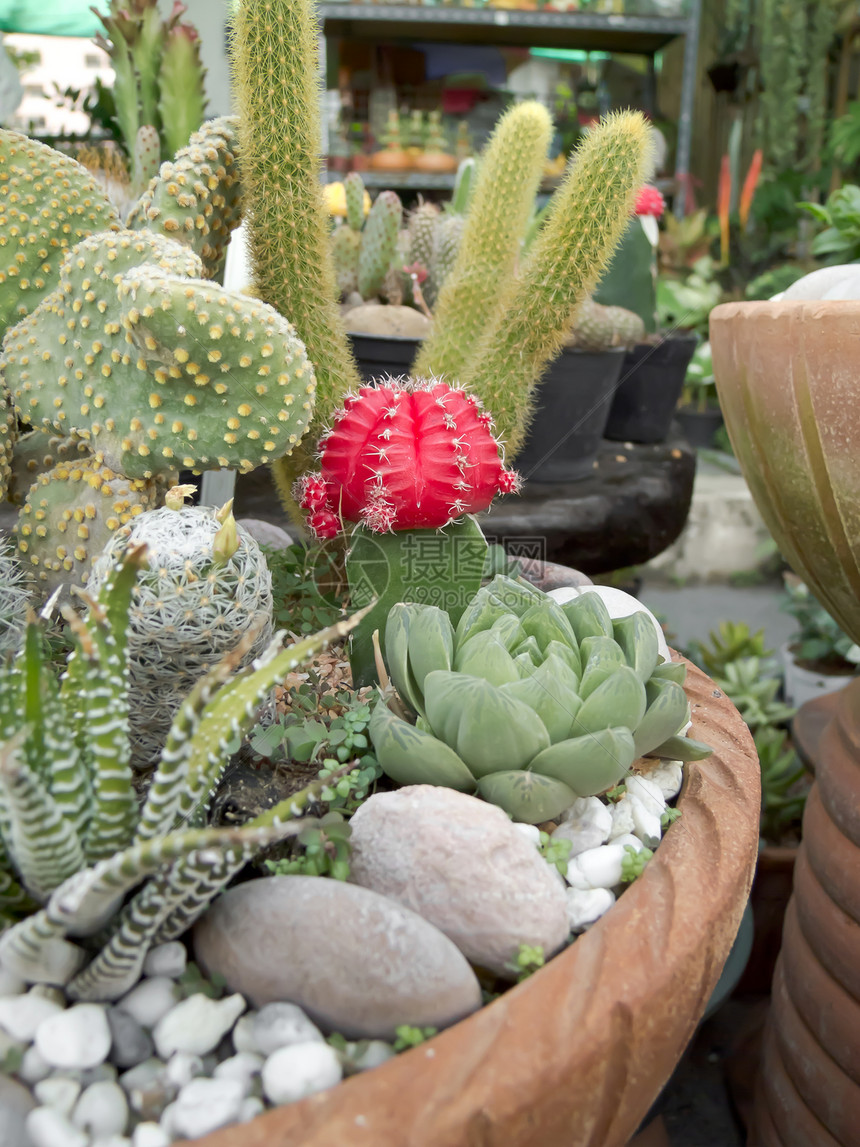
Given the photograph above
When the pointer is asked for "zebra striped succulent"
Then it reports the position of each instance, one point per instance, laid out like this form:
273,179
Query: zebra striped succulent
73,840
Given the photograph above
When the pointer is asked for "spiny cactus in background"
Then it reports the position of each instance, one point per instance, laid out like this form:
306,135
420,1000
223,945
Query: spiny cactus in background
158,80
597,328
530,703
207,584
147,156
69,515
73,837
8,437
409,462
446,247
507,182
587,217
379,243
158,369
357,201
630,280
197,196
15,597
275,60
48,203
422,224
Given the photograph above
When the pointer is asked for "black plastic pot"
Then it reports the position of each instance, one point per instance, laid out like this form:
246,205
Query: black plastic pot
646,396
699,426
573,401
381,355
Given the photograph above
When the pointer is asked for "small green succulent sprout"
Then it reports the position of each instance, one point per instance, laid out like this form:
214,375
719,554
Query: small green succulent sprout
555,852
529,703
408,1036
529,958
324,850
633,863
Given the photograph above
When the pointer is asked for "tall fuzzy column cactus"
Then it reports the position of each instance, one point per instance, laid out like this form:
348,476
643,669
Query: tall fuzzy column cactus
630,280
275,59
507,182
587,217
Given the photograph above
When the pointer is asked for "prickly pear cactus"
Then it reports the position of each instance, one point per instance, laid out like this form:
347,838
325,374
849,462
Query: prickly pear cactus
36,452
345,249
48,203
379,243
354,193
597,328
8,435
147,155
422,225
155,369
207,584
181,98
68,517
197,197
449,236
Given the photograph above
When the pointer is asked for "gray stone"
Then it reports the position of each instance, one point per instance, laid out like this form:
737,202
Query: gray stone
196,1025
291,1073
78,1037
150,1000
102,1110
586,824
166,960
354,961
266,533
279,1024
130,1043
460,864
15,1104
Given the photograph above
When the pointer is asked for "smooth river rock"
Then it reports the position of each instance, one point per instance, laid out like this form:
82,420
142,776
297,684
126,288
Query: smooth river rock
462,865
356,962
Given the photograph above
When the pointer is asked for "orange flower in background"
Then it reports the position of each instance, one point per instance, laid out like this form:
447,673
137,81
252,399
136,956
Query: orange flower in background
750,184
724,199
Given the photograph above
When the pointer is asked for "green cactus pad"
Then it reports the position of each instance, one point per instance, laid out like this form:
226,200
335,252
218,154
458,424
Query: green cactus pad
48,203
69,515
345,249
37,452
197,198
8,436
353,191
181,96
378,243
154,341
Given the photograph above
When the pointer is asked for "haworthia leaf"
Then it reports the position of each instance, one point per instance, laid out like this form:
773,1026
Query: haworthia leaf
526,796
412,757
601,658
666,714
638,638
550,690
682,749
590,764
619,700
588,616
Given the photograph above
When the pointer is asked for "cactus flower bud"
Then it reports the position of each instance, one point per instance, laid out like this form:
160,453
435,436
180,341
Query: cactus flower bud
226,541
409,454
175,497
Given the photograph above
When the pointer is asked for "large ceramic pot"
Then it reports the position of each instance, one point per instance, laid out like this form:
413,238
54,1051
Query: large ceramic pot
787,378
809,1087
574,1056
652,378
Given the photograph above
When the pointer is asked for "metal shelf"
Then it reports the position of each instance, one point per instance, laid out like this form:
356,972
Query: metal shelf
594,31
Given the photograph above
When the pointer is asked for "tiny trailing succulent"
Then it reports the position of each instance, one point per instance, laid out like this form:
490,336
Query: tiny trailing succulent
75,842
205,585
529,703
408,462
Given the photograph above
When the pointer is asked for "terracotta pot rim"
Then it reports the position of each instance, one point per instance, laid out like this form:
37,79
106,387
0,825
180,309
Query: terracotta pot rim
787,307
601,1038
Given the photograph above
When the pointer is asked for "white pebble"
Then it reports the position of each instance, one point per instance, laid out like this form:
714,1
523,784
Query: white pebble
629,840
10,984
47,1127
375,1054
204,1105
597,868
8,1044
59,1093
646,825
34,1066
622,817
149,1135
586,824
291,1073
250,1109
668,776
150,1000
111,1141
649,793
245,1065
20,1016
530,831
182,1067
280,1025
243,1033
168,960
585,906
142,1075
102,1110
197,1025
78,1037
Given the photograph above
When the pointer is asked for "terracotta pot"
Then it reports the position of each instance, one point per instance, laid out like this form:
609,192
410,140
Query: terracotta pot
809,1091
574,1056
771,891
787,378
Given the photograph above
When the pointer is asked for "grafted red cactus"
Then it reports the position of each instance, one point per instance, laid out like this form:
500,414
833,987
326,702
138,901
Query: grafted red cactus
649,201
406,454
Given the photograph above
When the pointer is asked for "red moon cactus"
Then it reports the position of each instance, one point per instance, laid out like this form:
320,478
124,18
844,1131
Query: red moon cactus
406,454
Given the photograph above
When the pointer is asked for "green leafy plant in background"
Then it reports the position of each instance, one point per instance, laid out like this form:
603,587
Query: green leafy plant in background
819,638
308,586
700,388
321,849
839,242
729,642
686,303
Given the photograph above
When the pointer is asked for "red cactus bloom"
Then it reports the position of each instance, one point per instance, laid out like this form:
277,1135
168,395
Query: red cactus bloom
406,455
649,201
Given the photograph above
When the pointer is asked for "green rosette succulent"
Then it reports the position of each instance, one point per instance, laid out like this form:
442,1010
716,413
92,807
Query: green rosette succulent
529,703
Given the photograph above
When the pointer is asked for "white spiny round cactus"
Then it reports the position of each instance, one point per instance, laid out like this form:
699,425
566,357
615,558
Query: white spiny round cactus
206,586
15,594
